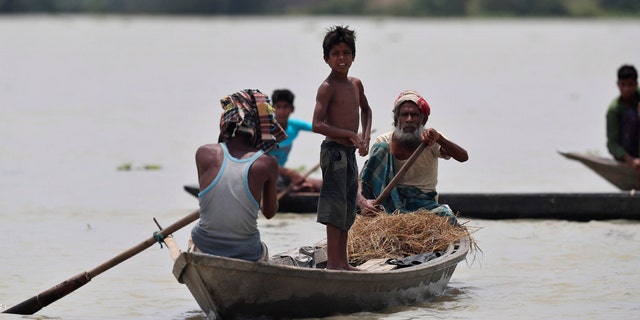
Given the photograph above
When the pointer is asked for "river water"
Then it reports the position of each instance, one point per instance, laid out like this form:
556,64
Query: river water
82,96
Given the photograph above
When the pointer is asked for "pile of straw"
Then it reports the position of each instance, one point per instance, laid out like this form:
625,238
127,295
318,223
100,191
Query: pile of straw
394,236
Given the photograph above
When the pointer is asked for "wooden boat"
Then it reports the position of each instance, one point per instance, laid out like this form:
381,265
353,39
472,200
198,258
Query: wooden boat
561,205
293,202
226,288
619,175
566,206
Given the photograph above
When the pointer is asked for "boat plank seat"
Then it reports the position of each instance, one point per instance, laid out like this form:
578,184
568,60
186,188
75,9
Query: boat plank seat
376,265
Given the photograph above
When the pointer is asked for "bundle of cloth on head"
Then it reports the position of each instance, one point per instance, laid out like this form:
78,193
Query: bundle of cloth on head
415,97
250,111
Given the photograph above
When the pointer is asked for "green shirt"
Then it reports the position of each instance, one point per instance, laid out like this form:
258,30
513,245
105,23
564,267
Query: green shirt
614,112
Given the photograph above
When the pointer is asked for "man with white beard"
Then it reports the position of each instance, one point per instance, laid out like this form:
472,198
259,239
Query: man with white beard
417,188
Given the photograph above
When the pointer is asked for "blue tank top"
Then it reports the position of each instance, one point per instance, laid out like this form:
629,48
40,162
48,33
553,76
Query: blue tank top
228,223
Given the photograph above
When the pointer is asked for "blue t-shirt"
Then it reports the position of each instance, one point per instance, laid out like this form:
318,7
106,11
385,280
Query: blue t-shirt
294,126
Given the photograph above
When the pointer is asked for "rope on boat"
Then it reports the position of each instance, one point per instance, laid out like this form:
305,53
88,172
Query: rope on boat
159,237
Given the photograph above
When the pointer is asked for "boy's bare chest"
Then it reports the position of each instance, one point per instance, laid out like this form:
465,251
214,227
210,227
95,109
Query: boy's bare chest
345,97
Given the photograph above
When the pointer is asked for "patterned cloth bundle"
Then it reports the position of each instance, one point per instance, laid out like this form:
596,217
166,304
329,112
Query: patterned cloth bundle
250,111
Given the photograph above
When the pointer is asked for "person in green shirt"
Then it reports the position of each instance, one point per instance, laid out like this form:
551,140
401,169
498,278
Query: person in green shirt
623,124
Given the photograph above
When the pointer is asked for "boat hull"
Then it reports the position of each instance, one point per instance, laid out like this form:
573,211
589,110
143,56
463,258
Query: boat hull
229,288
566,206
621,176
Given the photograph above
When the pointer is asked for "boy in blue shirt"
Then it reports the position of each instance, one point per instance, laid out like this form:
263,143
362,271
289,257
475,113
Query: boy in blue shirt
282,100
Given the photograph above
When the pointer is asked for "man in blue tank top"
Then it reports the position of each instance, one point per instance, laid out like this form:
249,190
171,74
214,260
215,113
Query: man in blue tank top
236,176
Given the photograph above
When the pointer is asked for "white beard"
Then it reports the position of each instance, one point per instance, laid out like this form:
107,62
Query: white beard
410,139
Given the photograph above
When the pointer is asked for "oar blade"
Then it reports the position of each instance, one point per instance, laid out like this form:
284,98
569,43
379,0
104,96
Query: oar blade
45,298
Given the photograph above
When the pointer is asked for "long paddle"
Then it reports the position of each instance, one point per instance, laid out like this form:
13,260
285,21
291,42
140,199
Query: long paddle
53,294
45,298
387,190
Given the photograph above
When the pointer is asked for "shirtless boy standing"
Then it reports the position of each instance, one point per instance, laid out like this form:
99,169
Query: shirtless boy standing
337,117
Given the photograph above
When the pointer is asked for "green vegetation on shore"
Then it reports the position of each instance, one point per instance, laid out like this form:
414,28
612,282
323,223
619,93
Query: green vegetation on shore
401,8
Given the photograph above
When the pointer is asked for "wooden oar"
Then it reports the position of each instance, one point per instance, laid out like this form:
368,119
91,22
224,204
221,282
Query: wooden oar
45,298
291,185
387,190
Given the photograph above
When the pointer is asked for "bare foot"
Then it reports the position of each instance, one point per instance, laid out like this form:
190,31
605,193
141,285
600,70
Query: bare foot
352,268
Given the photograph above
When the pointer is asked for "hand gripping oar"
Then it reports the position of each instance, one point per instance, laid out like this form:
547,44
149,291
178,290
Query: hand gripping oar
291,185
45,298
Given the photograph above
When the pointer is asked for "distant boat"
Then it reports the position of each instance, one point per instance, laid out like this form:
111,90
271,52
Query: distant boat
618,174
542,205
550,205
227,288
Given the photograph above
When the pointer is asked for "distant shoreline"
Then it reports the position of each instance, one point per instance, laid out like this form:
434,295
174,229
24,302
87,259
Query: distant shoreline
365,8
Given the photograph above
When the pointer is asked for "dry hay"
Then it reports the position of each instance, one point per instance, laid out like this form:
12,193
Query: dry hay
393,236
